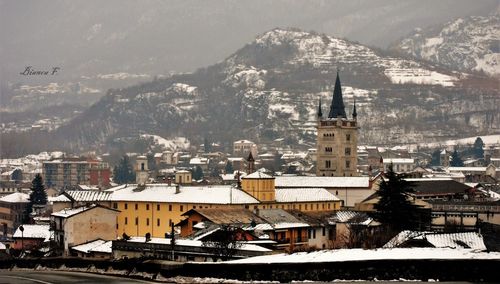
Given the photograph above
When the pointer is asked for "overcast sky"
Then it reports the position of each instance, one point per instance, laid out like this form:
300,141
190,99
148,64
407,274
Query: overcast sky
86,37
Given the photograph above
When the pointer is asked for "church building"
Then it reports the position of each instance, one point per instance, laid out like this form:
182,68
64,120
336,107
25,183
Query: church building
337,138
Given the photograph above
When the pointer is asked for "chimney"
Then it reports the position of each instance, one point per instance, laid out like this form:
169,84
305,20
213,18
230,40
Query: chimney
177,189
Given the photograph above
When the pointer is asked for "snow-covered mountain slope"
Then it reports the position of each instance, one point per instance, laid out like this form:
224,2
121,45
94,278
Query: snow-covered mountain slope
270,88
466,44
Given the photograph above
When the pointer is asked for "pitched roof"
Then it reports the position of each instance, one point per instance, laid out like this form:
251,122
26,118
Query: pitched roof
337,107
223,216
33,232
16,197
94,246
218,194
86,195
328,182
281,219
303,195
441,186
69,212
258,175
468,240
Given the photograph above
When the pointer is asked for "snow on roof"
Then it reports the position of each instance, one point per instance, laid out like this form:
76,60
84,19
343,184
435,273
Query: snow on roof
258,175
219,194
398,161
235,159
352,217
243,141
328,182
364,254
84,196
158,155
303,195
94,246
68,212
199,161
467,169
467,240
192,243
33,232
16,197
2,246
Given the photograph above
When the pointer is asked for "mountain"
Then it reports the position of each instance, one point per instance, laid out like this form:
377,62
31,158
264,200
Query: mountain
270,89
469,44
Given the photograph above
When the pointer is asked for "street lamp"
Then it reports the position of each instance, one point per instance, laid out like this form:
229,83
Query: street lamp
21,228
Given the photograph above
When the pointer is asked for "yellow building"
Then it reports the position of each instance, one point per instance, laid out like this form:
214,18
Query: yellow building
155,208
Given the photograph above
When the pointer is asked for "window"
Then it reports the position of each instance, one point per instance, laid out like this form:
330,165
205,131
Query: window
158,222
126,220
347,151
328,149
170,207
314,233
158,207
115,205
147,221
182,208
348,137
136,206
137,220
347,164
126,206
147,206
328,164
324,231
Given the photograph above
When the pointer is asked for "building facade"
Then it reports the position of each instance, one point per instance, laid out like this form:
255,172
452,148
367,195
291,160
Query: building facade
69,172
337,139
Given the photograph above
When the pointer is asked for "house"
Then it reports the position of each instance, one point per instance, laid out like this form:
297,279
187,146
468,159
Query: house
351,228
94,249
242,148
433,188
465,240
77,198
75,226
12,212
182,250
288,231
399,165
350,190
31,237
218,216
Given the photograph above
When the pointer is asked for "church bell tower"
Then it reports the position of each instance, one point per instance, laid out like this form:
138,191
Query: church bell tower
337,139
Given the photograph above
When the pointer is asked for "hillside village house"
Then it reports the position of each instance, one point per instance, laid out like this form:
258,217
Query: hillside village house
242,148
12,212
31,237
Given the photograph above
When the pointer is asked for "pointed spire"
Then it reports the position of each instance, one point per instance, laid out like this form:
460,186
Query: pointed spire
337,107
320,111
354,112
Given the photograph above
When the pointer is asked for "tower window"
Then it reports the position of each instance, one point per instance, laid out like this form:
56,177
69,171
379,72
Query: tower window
347,164
347,151
142,166
348,137
328,149
328,164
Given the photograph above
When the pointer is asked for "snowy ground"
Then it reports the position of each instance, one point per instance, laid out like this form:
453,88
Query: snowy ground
378,254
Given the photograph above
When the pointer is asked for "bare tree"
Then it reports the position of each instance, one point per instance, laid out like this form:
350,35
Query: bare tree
224,242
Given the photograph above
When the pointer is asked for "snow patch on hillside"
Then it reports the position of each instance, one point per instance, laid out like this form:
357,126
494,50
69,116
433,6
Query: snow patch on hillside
177,143
419,76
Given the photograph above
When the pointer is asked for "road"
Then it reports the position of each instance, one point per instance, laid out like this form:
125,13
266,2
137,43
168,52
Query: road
59,277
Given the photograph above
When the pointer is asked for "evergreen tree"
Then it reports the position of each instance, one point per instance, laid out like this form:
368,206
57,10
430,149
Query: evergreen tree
123,172
478,148
17,175
229,168
436,158
394,209
198,173
456,161
38,196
